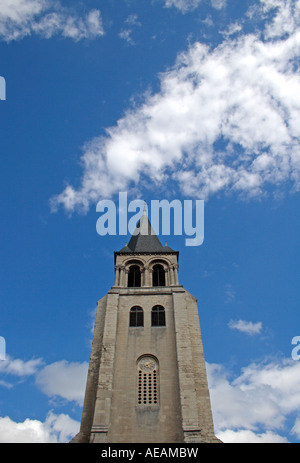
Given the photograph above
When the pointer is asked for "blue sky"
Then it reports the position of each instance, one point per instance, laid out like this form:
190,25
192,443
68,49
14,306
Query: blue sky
175,99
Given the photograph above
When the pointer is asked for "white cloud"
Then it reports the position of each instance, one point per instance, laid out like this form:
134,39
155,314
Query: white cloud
245,436
296,428
63,379
286,17
20,18
56,429
183,5
225,120
59,379
189,5
249,328
232,29
218,4
258,404
18,367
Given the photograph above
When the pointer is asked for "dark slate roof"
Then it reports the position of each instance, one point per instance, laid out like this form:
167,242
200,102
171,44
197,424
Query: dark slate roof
145,240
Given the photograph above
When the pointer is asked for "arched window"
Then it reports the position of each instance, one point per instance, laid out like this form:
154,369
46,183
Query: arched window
158,275
158,316
136,317
134,277
148,381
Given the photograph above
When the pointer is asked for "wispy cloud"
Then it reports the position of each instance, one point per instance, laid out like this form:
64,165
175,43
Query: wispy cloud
19,367
229,294
183,5
189,5
218,4
126,33
225,120
46,18
246,327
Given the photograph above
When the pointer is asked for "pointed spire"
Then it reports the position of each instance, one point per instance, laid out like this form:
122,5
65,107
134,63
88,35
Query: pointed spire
144,238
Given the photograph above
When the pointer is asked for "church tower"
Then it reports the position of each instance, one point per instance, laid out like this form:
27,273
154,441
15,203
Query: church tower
147,378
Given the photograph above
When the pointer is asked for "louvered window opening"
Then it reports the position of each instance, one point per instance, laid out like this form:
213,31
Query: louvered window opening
148,388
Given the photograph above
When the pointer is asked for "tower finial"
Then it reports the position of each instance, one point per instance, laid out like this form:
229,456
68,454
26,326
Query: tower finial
145,207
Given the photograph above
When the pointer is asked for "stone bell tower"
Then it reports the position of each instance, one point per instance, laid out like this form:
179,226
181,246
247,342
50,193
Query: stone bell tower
147,378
